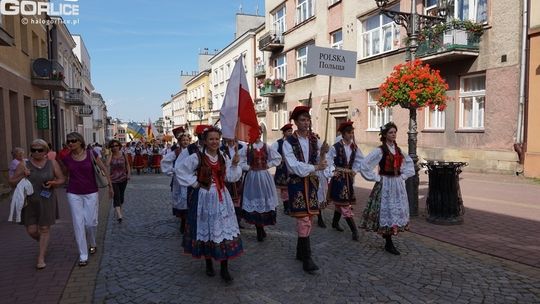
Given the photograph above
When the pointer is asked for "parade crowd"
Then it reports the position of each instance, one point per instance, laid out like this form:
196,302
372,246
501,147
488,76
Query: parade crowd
217,184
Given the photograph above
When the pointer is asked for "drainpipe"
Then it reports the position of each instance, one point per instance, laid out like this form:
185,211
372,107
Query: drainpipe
519,142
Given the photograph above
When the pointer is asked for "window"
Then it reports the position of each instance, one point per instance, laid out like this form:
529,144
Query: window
430,7
301,61
280,67
472,97
284,116
275,124
336,40
304,10
279,25
474,10
377,117
434,119
379,35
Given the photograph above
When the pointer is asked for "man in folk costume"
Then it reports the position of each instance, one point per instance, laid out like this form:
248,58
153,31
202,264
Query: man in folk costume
230,147
281,175
302,154
168,163
346,158
192,200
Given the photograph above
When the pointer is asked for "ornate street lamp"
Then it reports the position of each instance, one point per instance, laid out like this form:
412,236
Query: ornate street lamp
413,23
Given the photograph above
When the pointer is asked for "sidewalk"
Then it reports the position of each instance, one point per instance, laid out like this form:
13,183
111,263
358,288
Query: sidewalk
20,282
502,216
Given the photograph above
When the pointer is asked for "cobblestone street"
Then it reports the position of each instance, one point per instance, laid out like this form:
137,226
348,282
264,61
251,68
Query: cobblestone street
143,262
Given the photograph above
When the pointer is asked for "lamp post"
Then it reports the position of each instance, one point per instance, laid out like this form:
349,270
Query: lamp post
199,111
413,23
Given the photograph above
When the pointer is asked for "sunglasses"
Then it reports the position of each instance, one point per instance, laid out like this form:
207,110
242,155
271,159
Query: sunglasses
36,150
112,146
72,141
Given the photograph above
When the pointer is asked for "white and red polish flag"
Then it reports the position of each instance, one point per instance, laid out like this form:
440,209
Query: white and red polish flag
237,115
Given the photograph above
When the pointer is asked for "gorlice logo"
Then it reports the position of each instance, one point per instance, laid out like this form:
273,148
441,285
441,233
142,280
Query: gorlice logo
32,8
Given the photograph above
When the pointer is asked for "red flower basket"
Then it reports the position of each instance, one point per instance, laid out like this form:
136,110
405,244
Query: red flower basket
413,85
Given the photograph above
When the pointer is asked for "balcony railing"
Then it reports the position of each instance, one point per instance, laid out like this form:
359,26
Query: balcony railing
271,41
85,110
260,70
74,96
454,44
48,75
271,91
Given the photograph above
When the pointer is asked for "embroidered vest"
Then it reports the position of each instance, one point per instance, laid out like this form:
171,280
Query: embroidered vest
340,160
390,164
280,177
204,171
257,159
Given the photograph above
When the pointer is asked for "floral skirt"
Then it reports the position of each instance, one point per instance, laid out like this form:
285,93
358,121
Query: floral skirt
370,219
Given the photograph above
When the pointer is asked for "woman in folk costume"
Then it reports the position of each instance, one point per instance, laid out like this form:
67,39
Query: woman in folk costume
281,176
346,158
139,159
179,193
302,153
259,200
229,148
213,226
387,210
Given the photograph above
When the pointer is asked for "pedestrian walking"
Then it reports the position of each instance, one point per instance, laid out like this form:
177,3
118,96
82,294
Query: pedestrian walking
39,214
346,159
302,152
212,221
281,176
259,199
82,193
18,156
120,173
387,209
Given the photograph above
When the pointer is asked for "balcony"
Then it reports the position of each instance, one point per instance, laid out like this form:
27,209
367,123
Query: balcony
271,41
48,75
85,110
451,45
74,97
272,91
260,71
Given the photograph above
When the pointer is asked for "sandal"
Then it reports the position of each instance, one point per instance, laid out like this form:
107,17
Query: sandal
83,263
92,250
41,266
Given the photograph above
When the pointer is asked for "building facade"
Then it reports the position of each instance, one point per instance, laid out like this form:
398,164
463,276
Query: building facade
479,125
199,100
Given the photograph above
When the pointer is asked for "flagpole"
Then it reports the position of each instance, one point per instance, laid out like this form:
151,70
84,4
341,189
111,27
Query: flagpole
328,108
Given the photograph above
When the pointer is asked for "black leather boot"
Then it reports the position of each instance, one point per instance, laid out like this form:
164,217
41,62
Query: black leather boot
238,212
307,263
260,237
352,226
299,249
210,268
286,207
225,275
335,221
182,225
320,220
389,245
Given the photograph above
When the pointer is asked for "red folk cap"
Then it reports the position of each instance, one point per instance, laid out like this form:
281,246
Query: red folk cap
286,127
200,129
299,110
344,125
178,131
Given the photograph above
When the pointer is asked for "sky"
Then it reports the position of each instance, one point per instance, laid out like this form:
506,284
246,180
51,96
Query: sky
139,47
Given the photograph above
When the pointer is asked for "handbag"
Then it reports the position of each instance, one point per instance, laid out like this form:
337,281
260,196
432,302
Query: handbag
100,175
